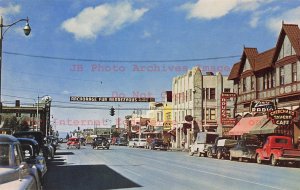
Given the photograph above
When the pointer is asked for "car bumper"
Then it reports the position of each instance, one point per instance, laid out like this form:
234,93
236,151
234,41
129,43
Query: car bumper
289,159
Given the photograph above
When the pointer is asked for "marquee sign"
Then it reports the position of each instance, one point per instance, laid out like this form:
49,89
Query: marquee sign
282,117
262,106
110,99
225,120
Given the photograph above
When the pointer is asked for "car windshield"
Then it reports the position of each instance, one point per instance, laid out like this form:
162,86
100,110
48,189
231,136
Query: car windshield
4,154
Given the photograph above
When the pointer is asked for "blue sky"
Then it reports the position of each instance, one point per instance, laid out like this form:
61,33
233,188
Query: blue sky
121,36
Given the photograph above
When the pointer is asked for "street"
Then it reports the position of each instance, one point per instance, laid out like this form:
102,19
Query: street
122,167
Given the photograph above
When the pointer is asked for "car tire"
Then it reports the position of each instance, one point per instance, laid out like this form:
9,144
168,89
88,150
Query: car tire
191,153
274,161
199,154
230,157
219,155
209,154
258,159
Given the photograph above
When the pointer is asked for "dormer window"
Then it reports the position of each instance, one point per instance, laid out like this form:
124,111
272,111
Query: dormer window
281,73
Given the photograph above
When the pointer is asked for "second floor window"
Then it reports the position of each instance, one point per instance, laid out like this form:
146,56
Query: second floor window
252,82
212,93
244,85
281,73
294,72
226,89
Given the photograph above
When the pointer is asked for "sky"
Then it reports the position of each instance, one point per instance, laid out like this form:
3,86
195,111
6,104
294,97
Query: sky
132,48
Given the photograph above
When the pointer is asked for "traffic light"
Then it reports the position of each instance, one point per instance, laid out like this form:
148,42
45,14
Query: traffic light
112,111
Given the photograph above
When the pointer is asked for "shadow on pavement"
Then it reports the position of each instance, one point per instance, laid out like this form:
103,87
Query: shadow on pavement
64,153
79,177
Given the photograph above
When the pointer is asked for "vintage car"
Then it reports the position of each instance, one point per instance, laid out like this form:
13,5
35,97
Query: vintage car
47,149
15,173
53,141
133,142
158,144
220,149
31,152
73,142
202,143
100,142
142,143
245,149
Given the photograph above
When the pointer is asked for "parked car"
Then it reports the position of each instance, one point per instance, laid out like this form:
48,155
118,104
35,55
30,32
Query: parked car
100,142
121,141
47,149
142,143
15,173
133,142
82,141
73,142
31,152
278,150
53,141
203,141
220,149
158,144
245,149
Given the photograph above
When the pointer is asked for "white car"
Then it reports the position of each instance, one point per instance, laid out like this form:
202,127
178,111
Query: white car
133,142
142,143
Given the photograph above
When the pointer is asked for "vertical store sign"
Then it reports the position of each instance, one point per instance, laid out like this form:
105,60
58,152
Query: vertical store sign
225,120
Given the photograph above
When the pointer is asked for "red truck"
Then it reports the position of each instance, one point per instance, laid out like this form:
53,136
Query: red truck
278,150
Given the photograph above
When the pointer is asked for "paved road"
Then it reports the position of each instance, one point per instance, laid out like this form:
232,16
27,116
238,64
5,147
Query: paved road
123,167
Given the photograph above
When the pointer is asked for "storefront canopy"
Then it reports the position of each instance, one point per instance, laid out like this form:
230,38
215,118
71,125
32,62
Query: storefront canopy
266,128
245,125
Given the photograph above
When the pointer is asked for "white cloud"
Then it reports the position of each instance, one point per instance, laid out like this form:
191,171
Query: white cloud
10,10
291,16
102,20
146,34
66,92
257,15
213,9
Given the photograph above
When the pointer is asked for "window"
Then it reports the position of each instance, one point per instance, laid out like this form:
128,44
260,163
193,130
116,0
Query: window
212,114
190,94
212,93
244,84
186,96
273,79
281,73
226,89
252,82
294,72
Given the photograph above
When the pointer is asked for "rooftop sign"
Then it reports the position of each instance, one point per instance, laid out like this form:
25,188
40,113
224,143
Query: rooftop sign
110,99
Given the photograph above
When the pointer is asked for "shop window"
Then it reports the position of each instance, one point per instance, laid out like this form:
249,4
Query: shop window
294,72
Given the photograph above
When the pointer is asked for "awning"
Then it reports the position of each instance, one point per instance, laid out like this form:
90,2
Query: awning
245,125
267,128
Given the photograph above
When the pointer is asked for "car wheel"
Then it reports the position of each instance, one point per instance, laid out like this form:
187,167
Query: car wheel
258,159
219,155
274,161
209,154
199,154
191,153
230,157
241,159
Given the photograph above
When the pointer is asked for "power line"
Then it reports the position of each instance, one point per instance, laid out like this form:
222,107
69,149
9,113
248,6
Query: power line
120,61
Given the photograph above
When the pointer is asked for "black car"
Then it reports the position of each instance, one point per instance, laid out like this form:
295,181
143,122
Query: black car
158,144
31,152
100,142
220,149
245,149
47,149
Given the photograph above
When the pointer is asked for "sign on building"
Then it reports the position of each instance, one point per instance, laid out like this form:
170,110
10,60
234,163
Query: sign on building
110,99
225,119
282,117
262,106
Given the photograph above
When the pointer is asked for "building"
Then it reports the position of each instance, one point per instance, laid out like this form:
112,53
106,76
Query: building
197,95
272,75
25,118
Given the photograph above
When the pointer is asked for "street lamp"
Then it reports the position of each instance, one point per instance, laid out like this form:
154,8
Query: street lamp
26,30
